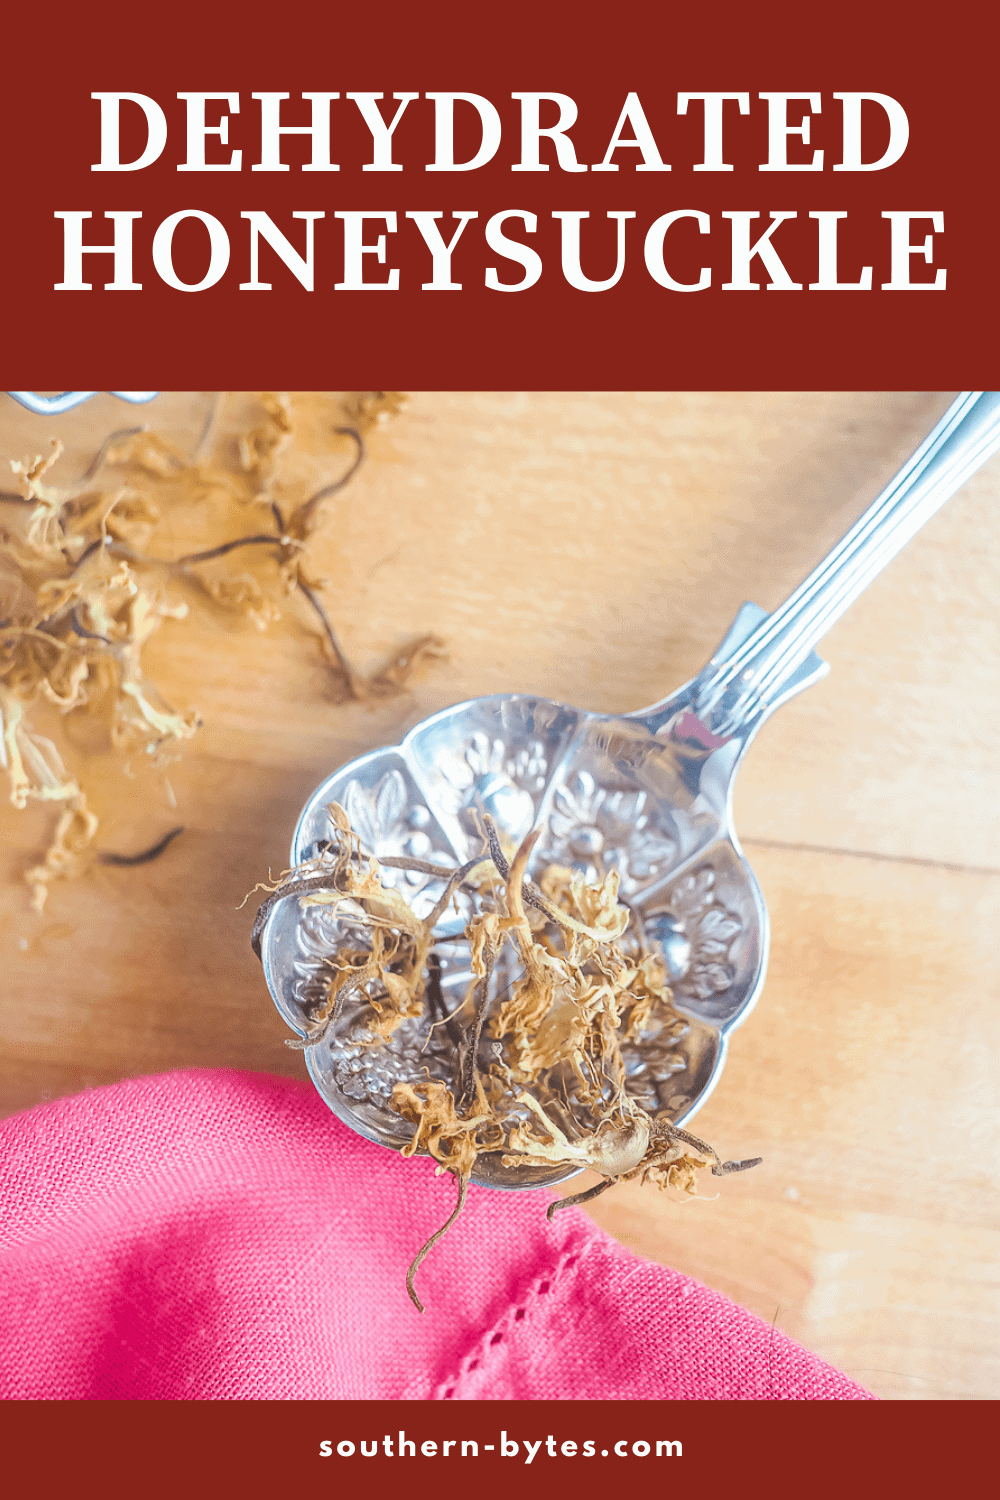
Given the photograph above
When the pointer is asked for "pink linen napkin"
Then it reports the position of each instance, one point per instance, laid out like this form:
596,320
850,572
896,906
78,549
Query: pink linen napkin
208,1235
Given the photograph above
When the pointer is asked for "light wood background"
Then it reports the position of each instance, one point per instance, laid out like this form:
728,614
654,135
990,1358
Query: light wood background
593,548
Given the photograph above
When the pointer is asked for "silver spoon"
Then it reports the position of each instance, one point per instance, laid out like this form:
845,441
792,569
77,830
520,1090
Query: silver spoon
647,793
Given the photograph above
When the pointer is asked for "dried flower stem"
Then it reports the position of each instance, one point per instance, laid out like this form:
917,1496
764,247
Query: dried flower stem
261,540
421,1255
147,856
305,513
577,1198
97,462
345,667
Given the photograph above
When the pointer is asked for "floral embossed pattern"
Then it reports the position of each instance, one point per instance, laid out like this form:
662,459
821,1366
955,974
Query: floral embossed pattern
709,927
486,776
388,825
598,829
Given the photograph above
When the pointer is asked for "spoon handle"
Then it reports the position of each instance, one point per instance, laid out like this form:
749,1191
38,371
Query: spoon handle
738,686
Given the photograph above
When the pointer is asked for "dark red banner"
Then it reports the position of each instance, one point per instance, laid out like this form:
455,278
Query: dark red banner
419,1449
666,196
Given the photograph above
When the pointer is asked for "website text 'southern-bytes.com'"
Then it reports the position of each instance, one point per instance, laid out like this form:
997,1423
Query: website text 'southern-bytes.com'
526,1449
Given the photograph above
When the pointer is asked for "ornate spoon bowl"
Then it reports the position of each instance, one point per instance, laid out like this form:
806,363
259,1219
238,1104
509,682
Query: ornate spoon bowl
647,793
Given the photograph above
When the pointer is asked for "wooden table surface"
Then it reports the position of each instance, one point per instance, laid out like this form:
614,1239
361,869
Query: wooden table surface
593,548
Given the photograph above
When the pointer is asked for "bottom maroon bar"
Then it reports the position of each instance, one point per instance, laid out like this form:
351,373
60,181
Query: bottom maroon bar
415,1448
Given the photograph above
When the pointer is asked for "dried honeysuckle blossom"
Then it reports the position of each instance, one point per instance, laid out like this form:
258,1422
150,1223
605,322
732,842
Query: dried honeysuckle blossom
550,1089
82,590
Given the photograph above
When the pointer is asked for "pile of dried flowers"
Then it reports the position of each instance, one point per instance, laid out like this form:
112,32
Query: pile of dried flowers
82,590
537,1072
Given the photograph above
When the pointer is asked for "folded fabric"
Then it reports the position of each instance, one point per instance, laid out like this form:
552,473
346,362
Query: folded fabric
216,1235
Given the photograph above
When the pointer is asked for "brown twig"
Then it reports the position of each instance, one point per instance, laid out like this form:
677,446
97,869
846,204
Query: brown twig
720,1168
88,635
496,853
122,549
468,1060
260,540
531,895
420,1257
422,866
302,517
350,987
578,1198
148,855
436,1001
94,466
331,636
88,551
454,882
293,888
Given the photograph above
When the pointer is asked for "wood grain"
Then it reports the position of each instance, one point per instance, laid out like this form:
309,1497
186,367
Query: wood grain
593,548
